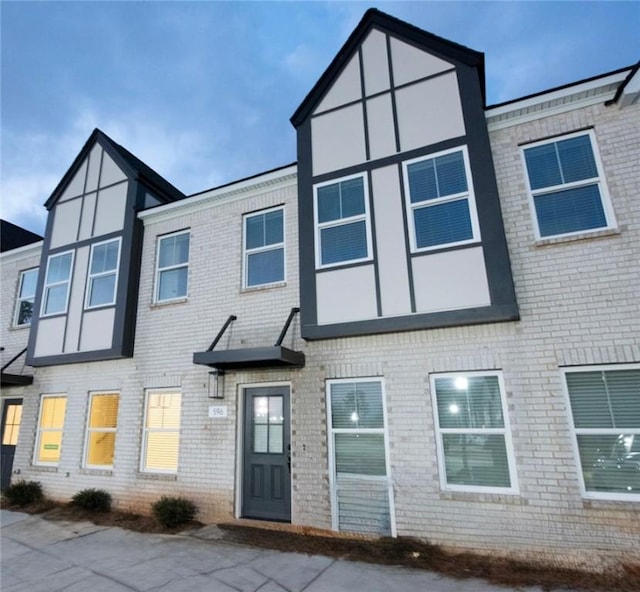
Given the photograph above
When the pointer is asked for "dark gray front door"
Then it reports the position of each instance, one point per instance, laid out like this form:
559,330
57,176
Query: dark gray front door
266,489
11,417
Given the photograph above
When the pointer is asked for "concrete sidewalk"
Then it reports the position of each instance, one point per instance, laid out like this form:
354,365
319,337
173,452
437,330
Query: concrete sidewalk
44,556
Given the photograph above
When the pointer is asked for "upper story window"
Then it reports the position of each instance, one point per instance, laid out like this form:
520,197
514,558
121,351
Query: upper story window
605,408
566,186
440,201
55,296
172,266
264,248
103,273
26,296
342,222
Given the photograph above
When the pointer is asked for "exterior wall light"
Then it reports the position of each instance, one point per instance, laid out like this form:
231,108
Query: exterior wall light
216,384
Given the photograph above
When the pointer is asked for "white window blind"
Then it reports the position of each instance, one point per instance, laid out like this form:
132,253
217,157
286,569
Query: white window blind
101,430
50,426
161,432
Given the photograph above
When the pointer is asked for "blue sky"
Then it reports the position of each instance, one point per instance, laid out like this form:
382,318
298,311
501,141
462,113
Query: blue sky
203,91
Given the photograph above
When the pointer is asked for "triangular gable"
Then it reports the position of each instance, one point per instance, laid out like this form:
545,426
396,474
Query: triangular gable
417,52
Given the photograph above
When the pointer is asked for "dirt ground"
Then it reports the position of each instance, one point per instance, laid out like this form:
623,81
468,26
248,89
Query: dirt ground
403,551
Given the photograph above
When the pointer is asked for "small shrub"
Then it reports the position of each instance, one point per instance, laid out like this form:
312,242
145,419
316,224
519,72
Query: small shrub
22,493
94,500
173,511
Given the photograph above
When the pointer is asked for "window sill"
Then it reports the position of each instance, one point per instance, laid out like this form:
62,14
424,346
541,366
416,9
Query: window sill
168,303
262,288
19,327
97,472
511,498
610,504
157,476
44,469
578,237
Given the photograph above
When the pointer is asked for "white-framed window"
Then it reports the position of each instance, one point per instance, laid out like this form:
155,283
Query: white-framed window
475,452
440,200
263,248
26,296
605,423
172,266
50,426
102,423
360,476
567,191
103,273
55,295
343,229
161,436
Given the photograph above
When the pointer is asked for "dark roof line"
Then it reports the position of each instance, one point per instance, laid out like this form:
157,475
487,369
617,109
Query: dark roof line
13,236
621,88
561,87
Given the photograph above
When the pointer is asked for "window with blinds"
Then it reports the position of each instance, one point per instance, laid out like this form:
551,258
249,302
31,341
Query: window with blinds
342,222
440,200
475,452
161,432
172,266
50,426
264,248
605,407
361,484
566,186
101,430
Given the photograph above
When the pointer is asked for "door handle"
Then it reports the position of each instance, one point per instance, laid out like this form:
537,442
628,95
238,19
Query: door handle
289,456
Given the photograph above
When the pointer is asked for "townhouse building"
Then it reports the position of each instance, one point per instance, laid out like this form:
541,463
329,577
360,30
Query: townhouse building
428,326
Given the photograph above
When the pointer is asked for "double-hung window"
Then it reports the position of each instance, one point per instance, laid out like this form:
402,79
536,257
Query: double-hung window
264,248
342,231
475,452
440,202
172,266
161,432
101,430
50,425
103,273
605,408
26,296
55,296
566,186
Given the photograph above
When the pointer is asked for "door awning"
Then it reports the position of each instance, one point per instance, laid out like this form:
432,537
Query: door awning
274,356
10,379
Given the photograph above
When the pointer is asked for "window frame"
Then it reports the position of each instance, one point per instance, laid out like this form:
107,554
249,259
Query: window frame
318,226
586,494
469,195
159,271
505,431
40,430
264,249
91,277
20,298
600,181
145,431
46,286
89,430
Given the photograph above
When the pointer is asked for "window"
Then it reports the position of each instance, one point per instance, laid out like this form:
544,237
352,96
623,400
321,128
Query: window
605,408
361,484
26,296
440,201
566,186
264,248
161,432
50,424
173,266
101,430
103,274
56,285
11,426
342,234
473,438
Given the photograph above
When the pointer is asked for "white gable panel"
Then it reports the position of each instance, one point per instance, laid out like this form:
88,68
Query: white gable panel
375,63
346,295
65,223
94,168
450,280
337,140
411,63
382,135
111,209
50,336
345,89
97,330
429,112
111,172
76,185
88,212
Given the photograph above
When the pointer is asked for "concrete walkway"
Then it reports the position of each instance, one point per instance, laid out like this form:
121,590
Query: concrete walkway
44,556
